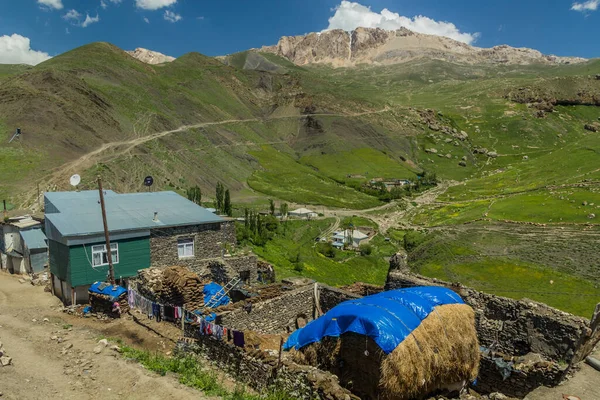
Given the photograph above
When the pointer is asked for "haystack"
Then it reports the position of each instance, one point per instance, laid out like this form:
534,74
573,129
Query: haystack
441,353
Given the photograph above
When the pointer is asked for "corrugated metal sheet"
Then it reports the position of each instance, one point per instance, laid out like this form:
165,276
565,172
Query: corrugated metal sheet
80,214
38,261
134,254
34,239
59,259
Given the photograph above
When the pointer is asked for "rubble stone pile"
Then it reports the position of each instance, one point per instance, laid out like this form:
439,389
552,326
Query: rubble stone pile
173,285
5,360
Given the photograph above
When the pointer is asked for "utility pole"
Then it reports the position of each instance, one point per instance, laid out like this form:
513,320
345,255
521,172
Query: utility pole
38,197
111,271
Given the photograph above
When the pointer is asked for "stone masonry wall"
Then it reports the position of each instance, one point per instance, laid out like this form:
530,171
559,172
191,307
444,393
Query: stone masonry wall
263,372
210,241
276,315
330,297
222,270
539,343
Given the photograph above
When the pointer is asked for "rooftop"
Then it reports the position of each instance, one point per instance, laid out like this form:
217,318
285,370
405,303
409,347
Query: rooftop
22,222
80,213
34,239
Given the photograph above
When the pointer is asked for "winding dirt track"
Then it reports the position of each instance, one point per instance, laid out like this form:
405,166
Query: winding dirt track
123,147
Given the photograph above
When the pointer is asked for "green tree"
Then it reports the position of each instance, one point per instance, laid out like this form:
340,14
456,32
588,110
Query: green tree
271,206
298,263
246,218
283,209
227,209
194,194
219,194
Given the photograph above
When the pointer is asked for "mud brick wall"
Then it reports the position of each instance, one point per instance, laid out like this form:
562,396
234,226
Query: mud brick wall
264,373
516,328
210,240
330,297
276,315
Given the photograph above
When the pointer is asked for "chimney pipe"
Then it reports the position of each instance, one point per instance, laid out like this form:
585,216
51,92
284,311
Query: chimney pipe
155,217
5,212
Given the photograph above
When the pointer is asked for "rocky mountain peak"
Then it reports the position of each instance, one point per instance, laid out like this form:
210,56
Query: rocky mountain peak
149,56
382,47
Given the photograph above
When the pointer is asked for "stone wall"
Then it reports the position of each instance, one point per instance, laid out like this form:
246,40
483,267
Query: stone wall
263,372
276,315
539,343
210,241
330,297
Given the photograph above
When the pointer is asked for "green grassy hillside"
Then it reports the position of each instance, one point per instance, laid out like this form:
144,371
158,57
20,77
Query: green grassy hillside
509,141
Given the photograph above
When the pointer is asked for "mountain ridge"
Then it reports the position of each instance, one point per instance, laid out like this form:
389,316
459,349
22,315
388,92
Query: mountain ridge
382,47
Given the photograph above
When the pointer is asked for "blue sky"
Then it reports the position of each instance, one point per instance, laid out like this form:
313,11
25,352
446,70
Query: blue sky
175,27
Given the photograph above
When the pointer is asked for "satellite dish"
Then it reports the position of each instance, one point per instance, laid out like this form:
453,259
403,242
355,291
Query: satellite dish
148,181
75,180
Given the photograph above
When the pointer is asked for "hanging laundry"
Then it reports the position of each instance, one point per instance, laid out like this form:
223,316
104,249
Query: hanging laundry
238,338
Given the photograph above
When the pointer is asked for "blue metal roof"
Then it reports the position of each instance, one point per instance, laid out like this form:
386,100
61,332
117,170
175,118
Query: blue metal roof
80,214
34,239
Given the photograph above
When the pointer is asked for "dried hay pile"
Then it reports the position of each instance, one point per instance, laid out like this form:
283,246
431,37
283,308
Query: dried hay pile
173,285
441,352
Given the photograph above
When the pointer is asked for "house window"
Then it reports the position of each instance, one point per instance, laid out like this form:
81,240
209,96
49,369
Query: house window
185,248
100,255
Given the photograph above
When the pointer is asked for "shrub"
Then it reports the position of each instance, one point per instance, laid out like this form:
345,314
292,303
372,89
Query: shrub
366,249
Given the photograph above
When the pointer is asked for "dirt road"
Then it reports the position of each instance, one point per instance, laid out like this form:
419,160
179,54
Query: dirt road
43,368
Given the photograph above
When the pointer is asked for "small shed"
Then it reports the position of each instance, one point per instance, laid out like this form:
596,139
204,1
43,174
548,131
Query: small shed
35,249
303,213
23,247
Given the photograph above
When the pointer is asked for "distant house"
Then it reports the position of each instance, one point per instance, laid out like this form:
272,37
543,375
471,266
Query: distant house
352,237
303,213
23,247
146,229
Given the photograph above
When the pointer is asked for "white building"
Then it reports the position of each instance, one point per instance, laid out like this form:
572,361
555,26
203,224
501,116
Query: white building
352,237
303,213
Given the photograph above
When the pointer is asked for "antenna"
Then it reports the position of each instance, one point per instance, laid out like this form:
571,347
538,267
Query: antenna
75,180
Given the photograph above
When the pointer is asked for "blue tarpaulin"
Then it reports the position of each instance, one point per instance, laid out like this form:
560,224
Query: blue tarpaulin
107,289
210,291
388,317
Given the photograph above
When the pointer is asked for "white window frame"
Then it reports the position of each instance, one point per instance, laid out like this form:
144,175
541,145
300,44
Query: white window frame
101,250
182,245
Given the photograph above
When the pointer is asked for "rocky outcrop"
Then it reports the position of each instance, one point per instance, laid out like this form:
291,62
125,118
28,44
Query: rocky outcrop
149,56
379,46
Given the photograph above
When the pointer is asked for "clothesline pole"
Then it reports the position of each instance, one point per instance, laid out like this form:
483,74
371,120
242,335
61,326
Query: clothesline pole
280,351
183,320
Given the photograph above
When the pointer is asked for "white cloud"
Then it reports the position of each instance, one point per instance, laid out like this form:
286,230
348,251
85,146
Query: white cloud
172,17
90,20
104,4
67,31
56,4
146,20
72,15
16,49
590,5
75,18
154,4
350,15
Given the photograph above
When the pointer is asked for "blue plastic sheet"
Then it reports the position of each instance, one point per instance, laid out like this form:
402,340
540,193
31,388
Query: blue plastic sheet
210,291
107,289
388,317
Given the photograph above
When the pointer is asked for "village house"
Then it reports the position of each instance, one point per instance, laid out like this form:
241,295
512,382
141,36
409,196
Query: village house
146,229
352,238
303,213
23,247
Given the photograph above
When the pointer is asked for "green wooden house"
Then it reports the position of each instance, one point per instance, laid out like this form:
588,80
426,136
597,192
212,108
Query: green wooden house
77,247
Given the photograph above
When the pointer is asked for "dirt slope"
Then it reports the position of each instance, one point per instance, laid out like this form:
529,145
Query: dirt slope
39,368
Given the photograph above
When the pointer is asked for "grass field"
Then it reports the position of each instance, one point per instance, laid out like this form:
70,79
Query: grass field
510,278
365,162
517,262
286,179
345,269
